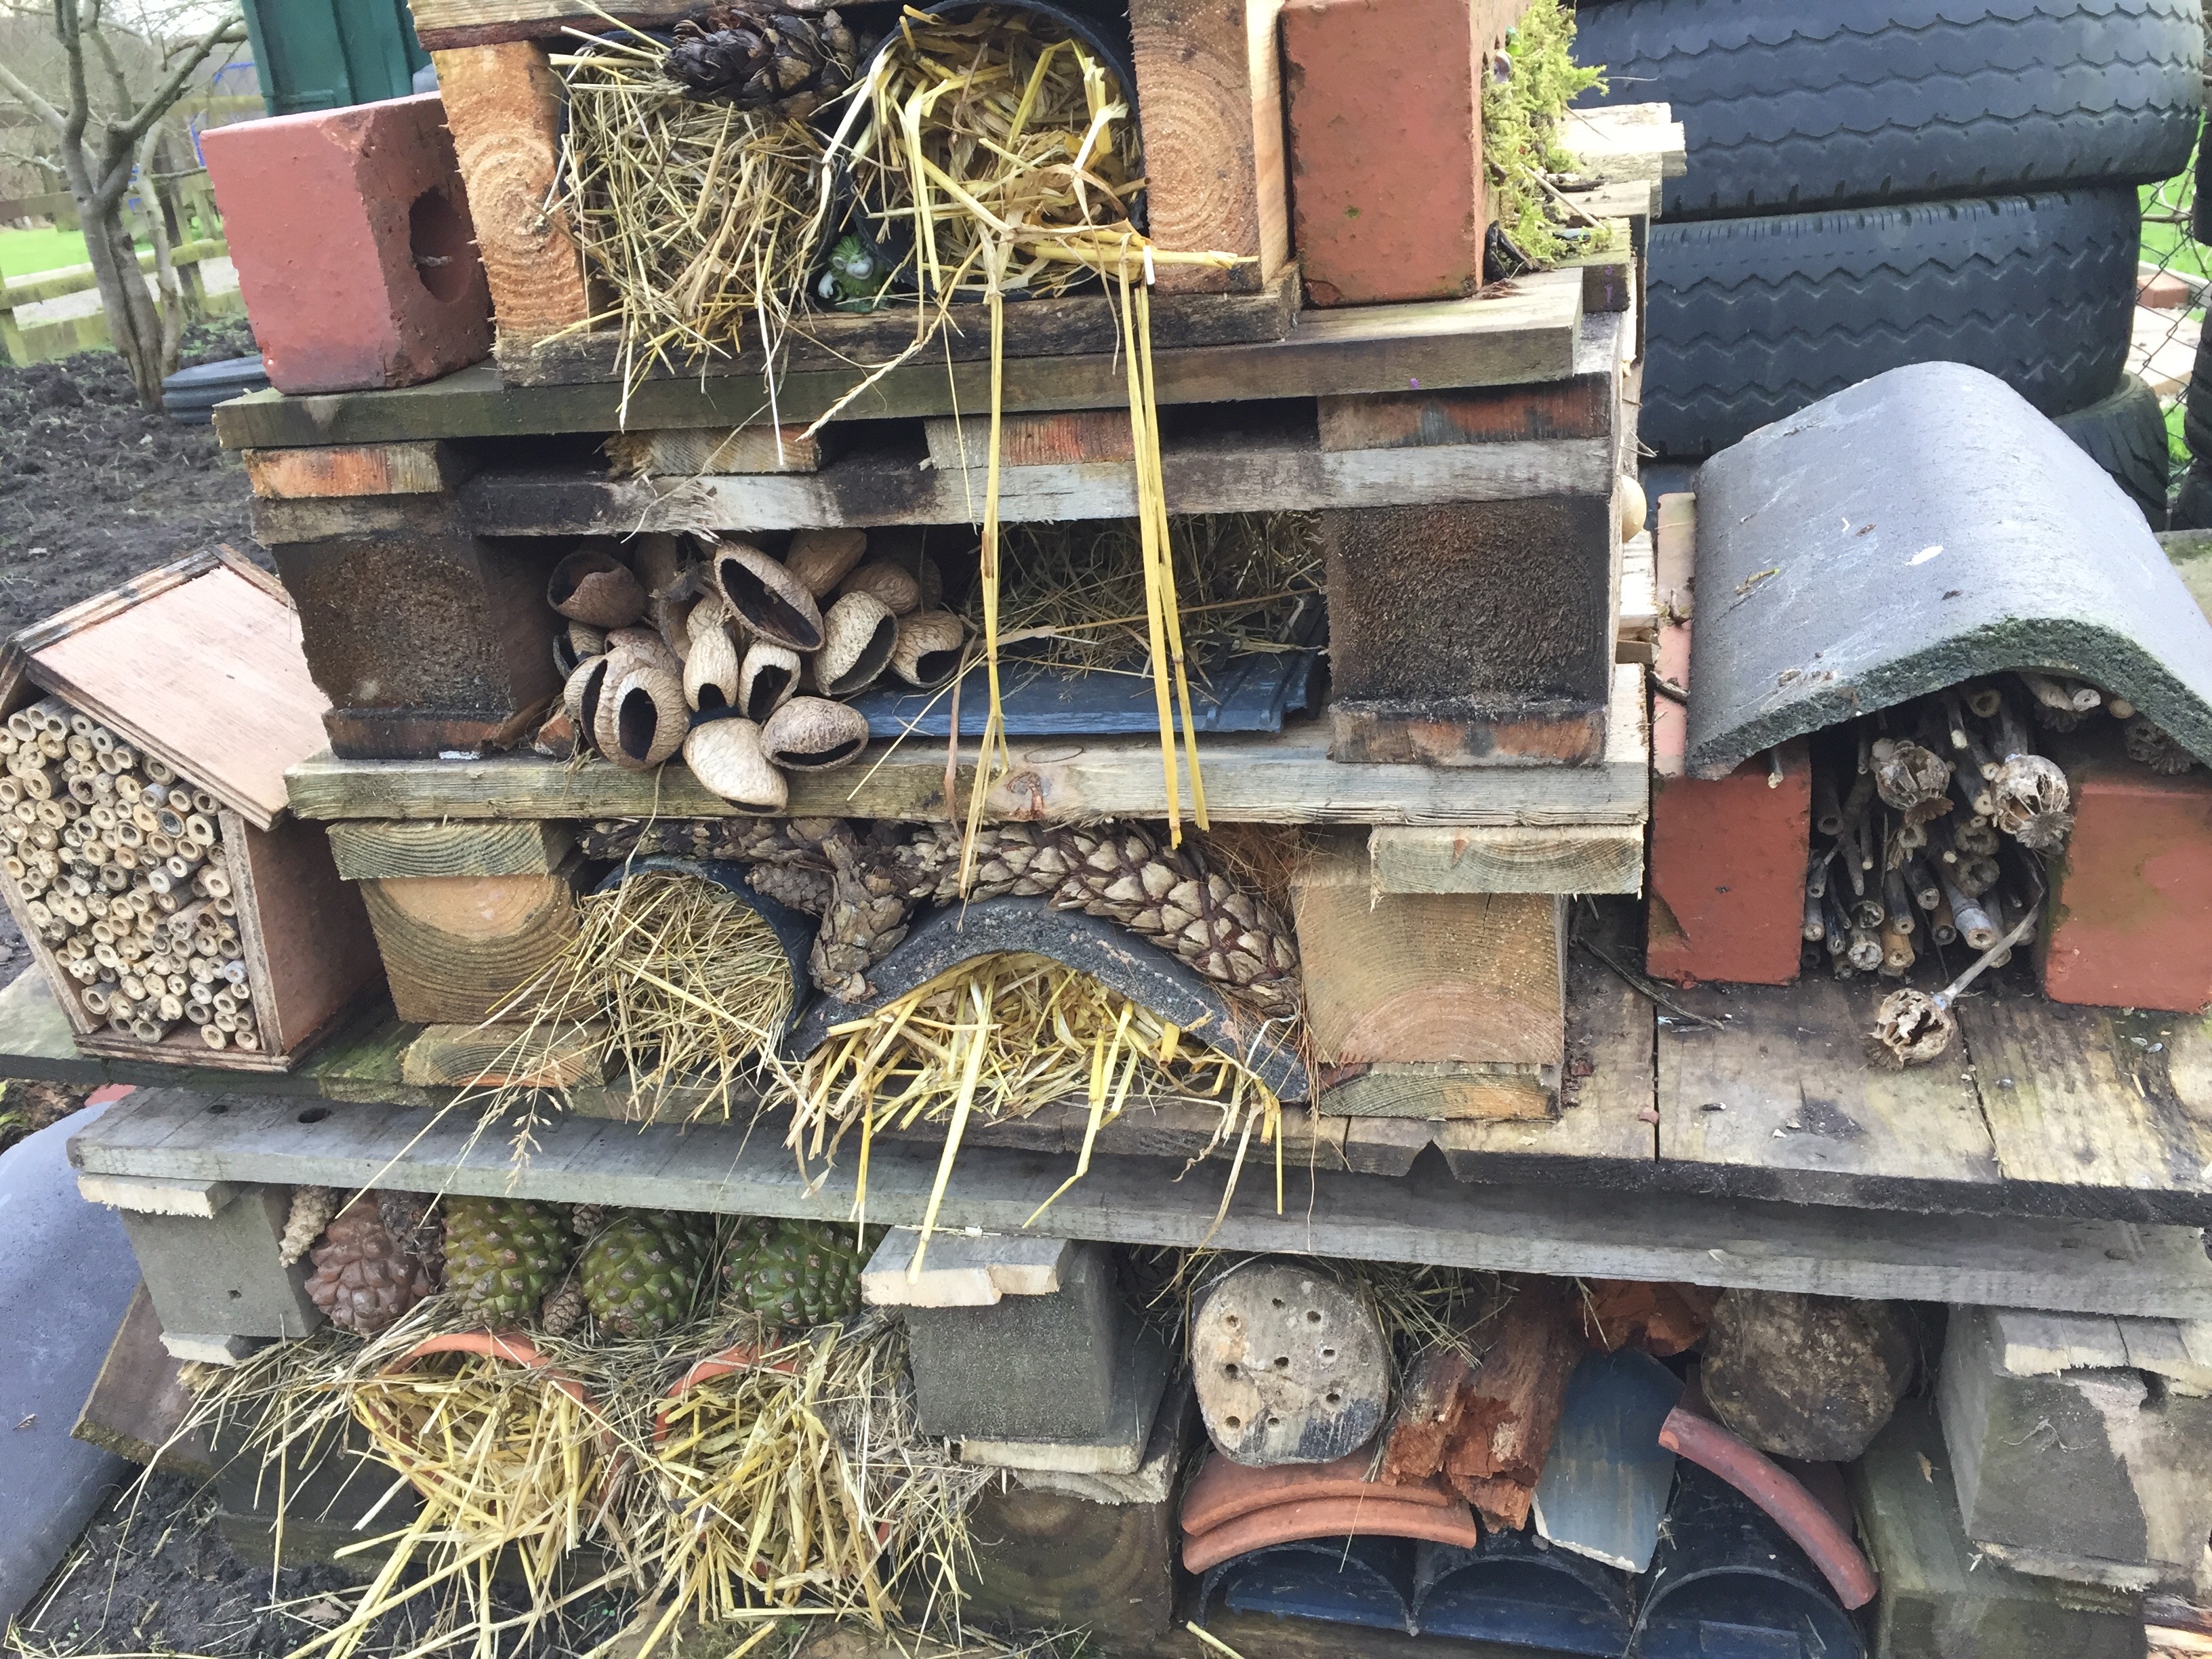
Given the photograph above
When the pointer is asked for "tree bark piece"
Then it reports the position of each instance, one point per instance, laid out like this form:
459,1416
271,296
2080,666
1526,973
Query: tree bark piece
1807,1376
1513,1404
1660,1319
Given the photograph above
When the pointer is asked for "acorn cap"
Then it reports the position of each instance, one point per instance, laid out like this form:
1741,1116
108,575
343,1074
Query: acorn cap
820,558
726,756
643,721
768,598
858,637
813,734
897,589
594,586
766,678
580,697
710,672
928,653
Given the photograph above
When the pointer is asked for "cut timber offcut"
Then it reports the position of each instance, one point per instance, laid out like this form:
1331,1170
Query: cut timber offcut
1291,1366
1505,1432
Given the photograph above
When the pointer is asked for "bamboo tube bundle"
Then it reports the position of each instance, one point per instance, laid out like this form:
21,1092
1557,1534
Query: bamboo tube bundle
113,862
997,1038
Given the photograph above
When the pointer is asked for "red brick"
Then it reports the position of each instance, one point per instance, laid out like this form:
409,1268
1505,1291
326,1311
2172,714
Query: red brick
1727,882
2132,897
1385,113
336,219
2161,290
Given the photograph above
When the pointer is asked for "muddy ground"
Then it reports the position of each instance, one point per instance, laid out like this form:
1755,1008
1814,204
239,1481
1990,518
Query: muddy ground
94,489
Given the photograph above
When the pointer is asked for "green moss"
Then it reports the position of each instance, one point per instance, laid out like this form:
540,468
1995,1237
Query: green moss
1521,117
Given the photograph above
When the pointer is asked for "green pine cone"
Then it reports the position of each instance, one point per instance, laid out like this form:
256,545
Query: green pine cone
502,1255
641,1271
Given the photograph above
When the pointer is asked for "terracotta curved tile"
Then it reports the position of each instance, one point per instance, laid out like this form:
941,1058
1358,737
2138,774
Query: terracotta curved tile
1329,1517
1795,1510
1223,1490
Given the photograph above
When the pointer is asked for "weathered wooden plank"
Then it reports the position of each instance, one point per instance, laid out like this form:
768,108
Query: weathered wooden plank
2071,1266
35,1038
138,1405
1578,857
1287,778
371,851
888,484
1498,339
348,470
1784,1095
2082,1100
1071,325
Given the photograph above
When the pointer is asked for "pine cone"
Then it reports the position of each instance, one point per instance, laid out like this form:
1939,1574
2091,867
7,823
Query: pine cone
585,1219
864,918
311,1212
364,1277
2152,745
763,840
788,883
1121,873
412,1218
757,55
562,1313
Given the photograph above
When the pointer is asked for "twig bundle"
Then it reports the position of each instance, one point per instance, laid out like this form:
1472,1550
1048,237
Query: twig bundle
118,865
1002,1037
699,217
690,984
1073,595
801,1479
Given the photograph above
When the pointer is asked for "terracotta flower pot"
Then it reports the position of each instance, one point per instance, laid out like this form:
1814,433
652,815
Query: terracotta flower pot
512,1347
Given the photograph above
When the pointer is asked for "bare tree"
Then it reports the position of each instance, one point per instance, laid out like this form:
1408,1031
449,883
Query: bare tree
101,140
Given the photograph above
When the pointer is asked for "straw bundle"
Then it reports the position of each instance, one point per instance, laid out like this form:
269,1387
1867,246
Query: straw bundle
999,1037
697,216
800,1479
690,984
1073,595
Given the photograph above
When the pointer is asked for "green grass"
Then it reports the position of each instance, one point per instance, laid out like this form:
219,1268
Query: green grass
25,252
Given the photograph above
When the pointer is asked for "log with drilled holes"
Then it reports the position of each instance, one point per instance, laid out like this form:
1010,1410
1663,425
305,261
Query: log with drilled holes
1290,1365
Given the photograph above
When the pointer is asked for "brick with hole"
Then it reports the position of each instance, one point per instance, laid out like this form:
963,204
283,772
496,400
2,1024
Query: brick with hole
356,253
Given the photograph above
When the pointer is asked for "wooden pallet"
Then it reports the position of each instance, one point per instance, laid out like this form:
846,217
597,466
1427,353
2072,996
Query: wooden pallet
1283,778
2071,1266
1513,333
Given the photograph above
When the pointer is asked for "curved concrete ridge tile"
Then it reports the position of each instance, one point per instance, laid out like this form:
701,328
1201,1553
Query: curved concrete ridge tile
1911,531
70,1276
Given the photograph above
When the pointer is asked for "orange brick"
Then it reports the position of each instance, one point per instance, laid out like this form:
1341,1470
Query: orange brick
356,254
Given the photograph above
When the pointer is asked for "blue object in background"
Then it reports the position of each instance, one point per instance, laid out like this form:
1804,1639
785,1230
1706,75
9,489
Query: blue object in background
326,54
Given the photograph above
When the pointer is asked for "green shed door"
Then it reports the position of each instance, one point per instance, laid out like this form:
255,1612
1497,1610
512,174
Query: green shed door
325,54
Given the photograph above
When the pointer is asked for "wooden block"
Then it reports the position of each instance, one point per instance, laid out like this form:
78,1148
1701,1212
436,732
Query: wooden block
1427,976
138,1405
370,850
1453,1091
1451,644
306,933
343,470
1054,439
455,947
1043,1558
2134,1462
1209,94
1290,1365
1674,555
1581,407
503,104
1496,1454
488,1056
1568,858
960,1271
692,452
36,1036
142,1196
1940,1597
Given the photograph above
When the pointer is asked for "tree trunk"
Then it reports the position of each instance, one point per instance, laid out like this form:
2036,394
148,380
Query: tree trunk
133,324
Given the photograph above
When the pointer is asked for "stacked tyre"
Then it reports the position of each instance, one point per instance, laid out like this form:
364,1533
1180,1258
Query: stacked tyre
1874,183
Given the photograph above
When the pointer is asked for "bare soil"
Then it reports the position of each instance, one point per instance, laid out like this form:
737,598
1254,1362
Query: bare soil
94,489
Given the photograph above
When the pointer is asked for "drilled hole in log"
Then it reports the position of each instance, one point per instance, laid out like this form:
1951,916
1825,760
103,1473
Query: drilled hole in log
1278,1301
1229,1372
1313,1315
1232,1424
1332,1398
1282,1362
1328,1353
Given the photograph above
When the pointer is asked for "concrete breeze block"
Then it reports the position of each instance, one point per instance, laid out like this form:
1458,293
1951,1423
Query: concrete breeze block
1385,116
2132,895
222,1275
1027,1367
355,250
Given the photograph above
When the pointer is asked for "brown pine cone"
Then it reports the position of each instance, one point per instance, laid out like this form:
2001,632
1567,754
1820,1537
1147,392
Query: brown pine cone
412,1218
364,1278
585,1219
789,883
770,841
562,1313
865,918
